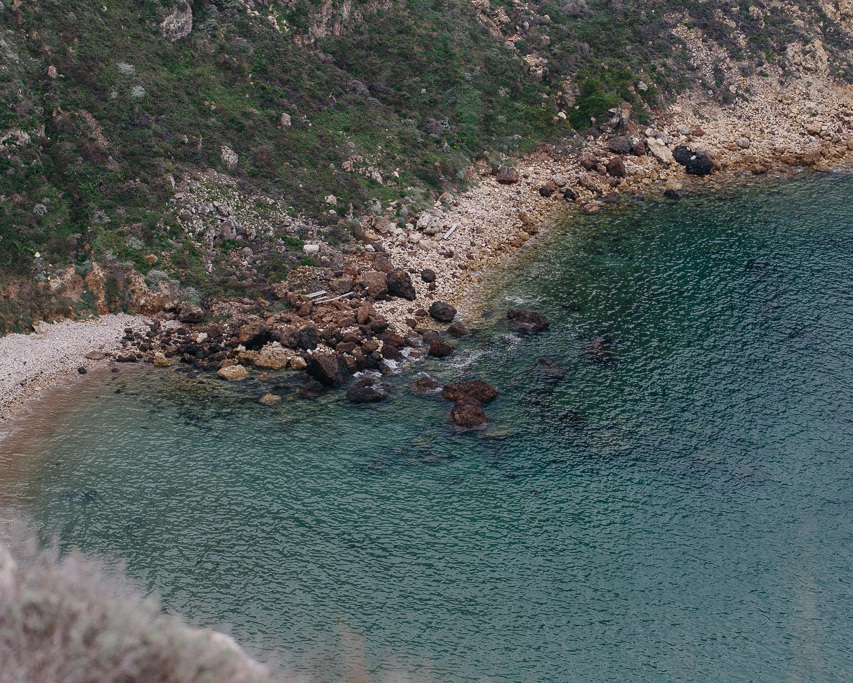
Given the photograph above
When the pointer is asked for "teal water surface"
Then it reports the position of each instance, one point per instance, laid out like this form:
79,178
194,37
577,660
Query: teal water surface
676,506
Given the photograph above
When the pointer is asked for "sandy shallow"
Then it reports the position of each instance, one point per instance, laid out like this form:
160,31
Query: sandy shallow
32,363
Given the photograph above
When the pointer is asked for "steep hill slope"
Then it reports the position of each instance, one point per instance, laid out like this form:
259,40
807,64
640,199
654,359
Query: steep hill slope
209,140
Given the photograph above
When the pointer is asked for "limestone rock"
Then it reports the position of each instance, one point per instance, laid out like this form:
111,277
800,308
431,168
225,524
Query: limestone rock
160,360
270,399
273,357
233,373
229,157
660,151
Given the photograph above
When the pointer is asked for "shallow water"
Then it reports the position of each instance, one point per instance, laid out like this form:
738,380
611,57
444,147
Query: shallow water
676,507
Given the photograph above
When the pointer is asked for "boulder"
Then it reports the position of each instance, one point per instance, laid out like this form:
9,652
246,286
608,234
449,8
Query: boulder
457,330
375,283
298,363
442,312
254,335
273,357
682,154
476,389
527,322
621,144
270,399
549,369
426,386
440,349
548,189
309,338
700,164
233,373
160,360
190,313
616,167
600,350
328,369
468,412
400,284
660,151
507,175
569,194
366,391
95,355
428,275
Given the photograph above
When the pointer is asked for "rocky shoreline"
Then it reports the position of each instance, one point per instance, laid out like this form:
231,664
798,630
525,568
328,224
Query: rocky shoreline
411,290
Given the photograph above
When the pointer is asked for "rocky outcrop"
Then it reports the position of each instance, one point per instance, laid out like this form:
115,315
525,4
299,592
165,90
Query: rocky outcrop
233,373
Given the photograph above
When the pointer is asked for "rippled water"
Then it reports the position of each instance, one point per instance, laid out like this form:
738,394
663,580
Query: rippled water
681,512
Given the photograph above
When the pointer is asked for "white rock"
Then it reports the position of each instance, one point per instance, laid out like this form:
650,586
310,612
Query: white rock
311,249
660,151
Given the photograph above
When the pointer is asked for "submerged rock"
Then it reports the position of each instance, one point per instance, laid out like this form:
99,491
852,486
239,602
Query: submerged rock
526,321
476,389
440,349
426,386
367,391
468,412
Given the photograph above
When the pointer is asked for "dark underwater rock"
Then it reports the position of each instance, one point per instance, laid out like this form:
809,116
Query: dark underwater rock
468,412
526,322
476,389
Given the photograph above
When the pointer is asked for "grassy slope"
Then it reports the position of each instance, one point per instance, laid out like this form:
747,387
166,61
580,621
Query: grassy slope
415,88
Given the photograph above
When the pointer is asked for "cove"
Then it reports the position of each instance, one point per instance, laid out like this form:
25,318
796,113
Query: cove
668,497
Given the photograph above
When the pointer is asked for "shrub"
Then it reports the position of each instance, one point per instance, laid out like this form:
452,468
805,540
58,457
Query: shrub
68,619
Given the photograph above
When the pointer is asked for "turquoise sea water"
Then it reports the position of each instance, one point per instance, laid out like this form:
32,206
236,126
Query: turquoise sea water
684,512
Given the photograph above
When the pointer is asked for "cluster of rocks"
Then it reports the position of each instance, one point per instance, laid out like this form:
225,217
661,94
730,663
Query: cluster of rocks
326,336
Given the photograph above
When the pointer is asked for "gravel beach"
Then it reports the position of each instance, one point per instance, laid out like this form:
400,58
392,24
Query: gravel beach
30,363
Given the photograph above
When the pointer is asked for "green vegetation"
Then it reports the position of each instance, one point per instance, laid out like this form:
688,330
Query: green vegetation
102,117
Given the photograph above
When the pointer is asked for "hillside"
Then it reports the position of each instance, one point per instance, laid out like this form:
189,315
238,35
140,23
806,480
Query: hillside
210,141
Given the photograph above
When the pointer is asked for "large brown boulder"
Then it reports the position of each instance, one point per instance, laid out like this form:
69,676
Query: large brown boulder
400,284
329,369
476,388
527,322
440,349
468,412
375,283
507,176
